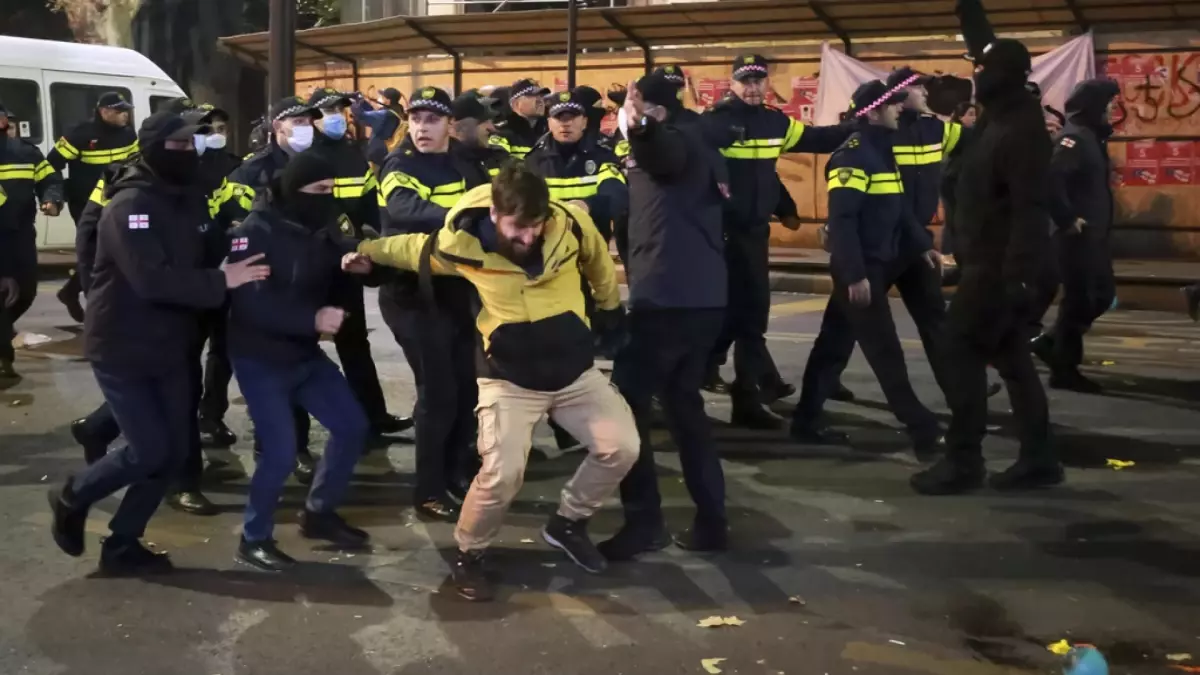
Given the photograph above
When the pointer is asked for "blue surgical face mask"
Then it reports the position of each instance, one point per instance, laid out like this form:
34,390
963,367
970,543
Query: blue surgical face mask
334,126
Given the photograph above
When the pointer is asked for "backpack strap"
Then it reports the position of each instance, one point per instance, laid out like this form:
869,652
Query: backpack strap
425,269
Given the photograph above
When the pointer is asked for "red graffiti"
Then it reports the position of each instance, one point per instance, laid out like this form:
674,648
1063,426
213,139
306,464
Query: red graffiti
1155,86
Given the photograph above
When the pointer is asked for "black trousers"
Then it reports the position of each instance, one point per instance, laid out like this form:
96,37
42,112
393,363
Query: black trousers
986,327
667,356
1089,287
25,273
439,345
746,318
872,327
218,372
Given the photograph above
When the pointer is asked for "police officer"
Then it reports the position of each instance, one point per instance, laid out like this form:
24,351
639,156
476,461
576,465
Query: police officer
1083,216
140,333
85,150
275,326
474,123
422,181
27,178
1002,235
677,295
752,136
872,237
525,121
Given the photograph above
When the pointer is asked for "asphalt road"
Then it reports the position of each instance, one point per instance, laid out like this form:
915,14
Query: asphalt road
837,567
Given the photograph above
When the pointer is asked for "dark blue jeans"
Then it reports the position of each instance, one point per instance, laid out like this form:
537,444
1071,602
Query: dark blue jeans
271,391
155,412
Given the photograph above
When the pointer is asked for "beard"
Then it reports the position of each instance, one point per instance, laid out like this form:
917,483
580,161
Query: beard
516,252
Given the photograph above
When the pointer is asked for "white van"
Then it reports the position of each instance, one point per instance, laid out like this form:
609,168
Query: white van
52,86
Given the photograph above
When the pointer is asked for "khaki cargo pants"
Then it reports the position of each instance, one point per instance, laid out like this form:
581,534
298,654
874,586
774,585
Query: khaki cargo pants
590,409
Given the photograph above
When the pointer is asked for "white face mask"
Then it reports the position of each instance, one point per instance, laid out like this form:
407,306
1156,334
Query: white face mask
215,141
301,138
200,141
623,122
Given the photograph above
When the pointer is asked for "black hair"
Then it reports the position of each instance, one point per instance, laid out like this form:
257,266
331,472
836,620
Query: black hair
960,110
518,191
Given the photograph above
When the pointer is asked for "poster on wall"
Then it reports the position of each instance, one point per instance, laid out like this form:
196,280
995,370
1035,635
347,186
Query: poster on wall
1160,93
1141,164
803,102
1178,162
710,90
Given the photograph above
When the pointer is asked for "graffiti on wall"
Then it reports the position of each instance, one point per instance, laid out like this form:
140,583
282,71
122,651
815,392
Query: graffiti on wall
1160,93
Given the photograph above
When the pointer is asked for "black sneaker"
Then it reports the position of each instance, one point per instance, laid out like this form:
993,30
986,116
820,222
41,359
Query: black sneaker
390,424
71,302
1073,380
703,539
332,528
994,388
1028,475
121,557
929,448
755,417
814,435
216,434
263,555
634,540
714,383
843,394
948,477
571,537
1192,295
777,390
193,502
93,449
470,577
67,524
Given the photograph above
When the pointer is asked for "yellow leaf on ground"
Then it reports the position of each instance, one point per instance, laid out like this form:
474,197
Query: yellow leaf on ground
1108,363
1179,657
1062,647
1118,464
710,665
714,621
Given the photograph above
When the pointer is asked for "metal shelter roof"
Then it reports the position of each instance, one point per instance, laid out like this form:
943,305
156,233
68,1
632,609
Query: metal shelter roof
698,23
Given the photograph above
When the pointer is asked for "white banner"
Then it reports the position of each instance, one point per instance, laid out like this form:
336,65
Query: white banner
1056,72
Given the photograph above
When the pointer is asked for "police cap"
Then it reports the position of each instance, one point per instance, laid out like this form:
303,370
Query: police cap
526,87
113,100
566,103
749,67
671,73
291,106
432,99
327,97
871,95
905,76
658,90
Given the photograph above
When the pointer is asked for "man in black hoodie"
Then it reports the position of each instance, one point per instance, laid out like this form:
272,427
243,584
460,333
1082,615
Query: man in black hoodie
1002,234
148,286
1083,215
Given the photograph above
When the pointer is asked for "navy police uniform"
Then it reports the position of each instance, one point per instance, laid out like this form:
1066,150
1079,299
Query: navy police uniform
515,134
872,235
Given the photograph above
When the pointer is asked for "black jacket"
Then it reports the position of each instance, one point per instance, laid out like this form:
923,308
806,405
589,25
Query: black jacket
676,251
27,178
1080,166
1001,220
585,171
920,145
247,183
148,283
517,135
8,238
274,320
355,186
870,222
752,138
87,149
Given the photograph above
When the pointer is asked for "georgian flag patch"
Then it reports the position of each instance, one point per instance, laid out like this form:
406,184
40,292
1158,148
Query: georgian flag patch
240,244
1068,142
139,221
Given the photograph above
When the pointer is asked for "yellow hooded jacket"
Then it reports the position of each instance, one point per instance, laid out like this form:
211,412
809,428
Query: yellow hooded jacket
534,328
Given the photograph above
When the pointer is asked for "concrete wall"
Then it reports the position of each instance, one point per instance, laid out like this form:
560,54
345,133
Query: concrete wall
1159,73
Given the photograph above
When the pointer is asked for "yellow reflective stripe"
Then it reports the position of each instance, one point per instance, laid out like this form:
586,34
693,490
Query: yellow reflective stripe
372,182
399,179
609,171
349,188
3,196
43,171
493,172
845,177
794,132
917,155
885,184
568,192
97,195
16,172
951,134
622,149
243,195
758,148
64,148
498,142
107,156
457,188
447,200
576,180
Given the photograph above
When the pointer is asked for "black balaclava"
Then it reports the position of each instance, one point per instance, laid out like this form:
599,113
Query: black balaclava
1004,67
590,98
178,167
313,211
1087,102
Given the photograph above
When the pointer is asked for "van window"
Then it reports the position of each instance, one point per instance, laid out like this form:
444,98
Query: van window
71,104
157,102
23,98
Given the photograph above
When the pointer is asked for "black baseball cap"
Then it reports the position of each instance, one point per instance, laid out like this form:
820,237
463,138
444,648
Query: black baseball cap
431,98
660,91
904,76
178,105
165,125
291,106
526,87
472,106
873,94
749,66
671,73
327,97
113,100
566,103
589,96
212,112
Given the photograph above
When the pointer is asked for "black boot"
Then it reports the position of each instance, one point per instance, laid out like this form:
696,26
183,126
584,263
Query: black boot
93,449
121,557
71,302
215,434
390,424
470,577
928,447
1028,475
949,477
703,539
634,540
263,555
332,528
571,537
777,390
193,502
714,384
755,417
1073,380
68,522
818,435
843,394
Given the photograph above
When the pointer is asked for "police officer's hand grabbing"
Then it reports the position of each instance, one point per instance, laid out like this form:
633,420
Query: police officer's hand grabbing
935,259
329,320
245,271
356,263
860,292
9,291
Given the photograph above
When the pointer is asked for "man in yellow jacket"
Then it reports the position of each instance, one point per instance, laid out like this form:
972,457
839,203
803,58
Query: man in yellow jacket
524,253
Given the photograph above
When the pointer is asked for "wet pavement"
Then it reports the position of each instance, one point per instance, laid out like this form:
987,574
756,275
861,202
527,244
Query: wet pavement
837,566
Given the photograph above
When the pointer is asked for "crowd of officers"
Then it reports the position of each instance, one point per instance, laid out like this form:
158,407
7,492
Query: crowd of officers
485,222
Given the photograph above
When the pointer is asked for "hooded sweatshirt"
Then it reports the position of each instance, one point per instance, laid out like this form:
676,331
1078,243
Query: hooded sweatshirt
1080,166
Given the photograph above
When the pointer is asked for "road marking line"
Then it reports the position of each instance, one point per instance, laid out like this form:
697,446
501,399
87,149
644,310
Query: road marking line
799,307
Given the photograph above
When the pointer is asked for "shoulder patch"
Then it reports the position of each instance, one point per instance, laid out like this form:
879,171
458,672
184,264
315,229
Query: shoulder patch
1067,142
139,221
239,244
853,142
844,175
